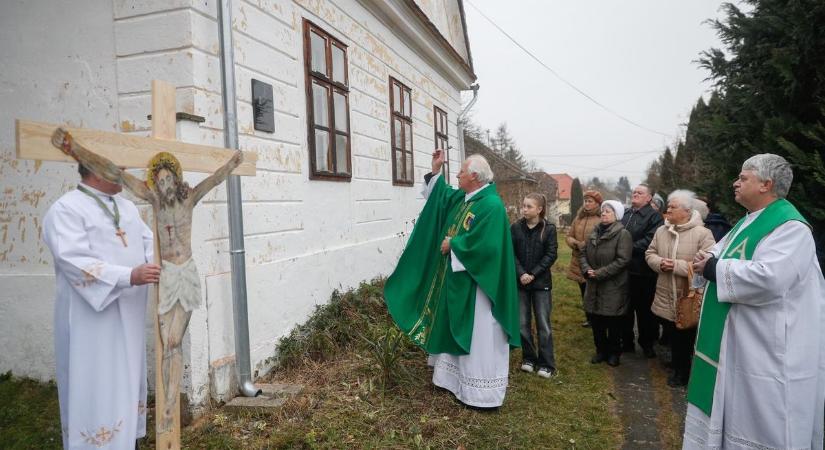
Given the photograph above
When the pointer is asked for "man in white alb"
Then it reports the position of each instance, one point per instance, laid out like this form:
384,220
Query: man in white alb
758,378
101,250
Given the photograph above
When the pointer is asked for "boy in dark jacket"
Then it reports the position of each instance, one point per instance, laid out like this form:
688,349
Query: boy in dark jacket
535,248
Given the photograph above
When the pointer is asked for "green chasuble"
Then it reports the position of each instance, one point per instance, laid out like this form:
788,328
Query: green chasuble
432,304
715,313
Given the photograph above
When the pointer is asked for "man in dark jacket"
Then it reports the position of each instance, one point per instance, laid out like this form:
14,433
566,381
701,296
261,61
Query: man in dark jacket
641,221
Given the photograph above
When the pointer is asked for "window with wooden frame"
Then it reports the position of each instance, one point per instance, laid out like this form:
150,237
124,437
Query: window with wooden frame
442,139
327,90
403,170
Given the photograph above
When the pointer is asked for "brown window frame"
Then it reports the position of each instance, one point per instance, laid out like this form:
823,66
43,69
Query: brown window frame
441,134
326,80
406,123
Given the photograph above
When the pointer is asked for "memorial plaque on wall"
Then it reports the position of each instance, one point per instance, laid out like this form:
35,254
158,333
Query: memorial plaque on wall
263,107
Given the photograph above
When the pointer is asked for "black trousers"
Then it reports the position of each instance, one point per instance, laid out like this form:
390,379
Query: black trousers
606,333
641,291
681,347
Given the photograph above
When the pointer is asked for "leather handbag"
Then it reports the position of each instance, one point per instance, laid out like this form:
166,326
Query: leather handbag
689,305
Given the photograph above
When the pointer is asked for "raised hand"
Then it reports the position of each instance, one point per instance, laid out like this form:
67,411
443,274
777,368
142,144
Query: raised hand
63,140
438,160
236,159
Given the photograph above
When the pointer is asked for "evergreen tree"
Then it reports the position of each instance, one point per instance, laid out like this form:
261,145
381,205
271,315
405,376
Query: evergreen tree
667,172
576,197
623,189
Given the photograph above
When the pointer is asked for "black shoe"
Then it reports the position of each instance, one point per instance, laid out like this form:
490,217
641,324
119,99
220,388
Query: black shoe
598,358
613,360
677,380
649,352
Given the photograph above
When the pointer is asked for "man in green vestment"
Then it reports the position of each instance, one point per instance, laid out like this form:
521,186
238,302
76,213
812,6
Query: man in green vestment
454,289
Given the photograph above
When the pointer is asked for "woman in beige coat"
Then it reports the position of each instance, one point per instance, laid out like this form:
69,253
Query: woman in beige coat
670,253
586,219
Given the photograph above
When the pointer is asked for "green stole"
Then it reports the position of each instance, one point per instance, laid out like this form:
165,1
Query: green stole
714,313
435,306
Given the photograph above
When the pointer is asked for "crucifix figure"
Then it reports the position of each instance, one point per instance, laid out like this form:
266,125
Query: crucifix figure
172,201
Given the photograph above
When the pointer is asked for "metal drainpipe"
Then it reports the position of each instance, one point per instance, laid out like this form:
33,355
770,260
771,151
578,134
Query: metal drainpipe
233,186
461,116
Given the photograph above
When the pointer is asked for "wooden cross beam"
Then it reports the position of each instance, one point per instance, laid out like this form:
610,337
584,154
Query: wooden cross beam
34,142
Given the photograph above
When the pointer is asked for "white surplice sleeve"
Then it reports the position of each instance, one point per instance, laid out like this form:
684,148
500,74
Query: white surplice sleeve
455,264
98,282
774,269
427,188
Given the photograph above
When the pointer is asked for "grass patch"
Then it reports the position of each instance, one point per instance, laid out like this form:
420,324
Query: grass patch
29,414
366,388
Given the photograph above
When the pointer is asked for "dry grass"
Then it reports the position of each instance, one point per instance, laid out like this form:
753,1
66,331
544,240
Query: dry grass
348,403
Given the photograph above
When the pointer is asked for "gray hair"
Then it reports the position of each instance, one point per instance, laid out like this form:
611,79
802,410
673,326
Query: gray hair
478,165
685,198
768,166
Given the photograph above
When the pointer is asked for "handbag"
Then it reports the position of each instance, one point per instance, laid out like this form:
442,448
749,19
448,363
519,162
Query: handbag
689,305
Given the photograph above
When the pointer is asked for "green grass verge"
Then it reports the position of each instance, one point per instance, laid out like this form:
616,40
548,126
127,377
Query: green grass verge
358,395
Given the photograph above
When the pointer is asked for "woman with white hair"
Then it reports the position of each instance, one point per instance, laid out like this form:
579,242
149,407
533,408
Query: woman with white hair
604,262
670,254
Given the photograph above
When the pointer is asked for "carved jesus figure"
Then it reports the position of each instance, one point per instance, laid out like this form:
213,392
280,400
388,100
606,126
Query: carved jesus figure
172,200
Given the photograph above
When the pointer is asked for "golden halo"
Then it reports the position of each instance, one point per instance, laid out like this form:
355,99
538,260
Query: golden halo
163,160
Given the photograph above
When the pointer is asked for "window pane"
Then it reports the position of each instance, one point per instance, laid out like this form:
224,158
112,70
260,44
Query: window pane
340,112
318,53
409,166
341,163
321,149
396,98
408,137
407,104
444,123
320,104
396,133
338,68
399,165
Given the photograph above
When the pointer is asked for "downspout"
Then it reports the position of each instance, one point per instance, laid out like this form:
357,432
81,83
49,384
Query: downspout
461,116
234,202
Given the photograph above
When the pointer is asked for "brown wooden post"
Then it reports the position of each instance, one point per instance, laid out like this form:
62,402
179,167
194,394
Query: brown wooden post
164,126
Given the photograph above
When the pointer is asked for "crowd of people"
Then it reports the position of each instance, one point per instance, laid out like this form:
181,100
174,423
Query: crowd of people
755,363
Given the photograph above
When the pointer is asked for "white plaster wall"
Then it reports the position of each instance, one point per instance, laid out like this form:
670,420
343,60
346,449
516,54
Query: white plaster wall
57,66
303,238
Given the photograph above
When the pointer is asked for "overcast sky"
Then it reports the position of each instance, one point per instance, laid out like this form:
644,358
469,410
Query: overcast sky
636,57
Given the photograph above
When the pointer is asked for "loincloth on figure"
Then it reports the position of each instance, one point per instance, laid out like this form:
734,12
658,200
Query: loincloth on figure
179,283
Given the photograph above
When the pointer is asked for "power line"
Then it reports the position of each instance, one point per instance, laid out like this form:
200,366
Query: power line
562,79
593,154
607,167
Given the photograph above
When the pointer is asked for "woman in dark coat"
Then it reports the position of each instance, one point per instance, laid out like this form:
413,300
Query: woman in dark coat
604,264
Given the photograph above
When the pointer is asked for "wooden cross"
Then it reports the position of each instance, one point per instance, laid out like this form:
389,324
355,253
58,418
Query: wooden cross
34,143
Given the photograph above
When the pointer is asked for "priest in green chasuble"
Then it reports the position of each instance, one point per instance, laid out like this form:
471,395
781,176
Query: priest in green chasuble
454,289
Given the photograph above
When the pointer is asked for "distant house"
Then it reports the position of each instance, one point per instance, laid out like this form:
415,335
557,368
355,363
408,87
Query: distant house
512,182
548,186
565,183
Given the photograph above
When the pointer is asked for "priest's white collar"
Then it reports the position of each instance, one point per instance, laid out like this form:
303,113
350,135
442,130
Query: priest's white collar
467,197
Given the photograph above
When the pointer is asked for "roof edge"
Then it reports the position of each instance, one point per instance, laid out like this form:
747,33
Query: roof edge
430,26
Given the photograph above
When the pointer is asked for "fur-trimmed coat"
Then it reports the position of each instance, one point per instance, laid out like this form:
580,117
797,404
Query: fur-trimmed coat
681,243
